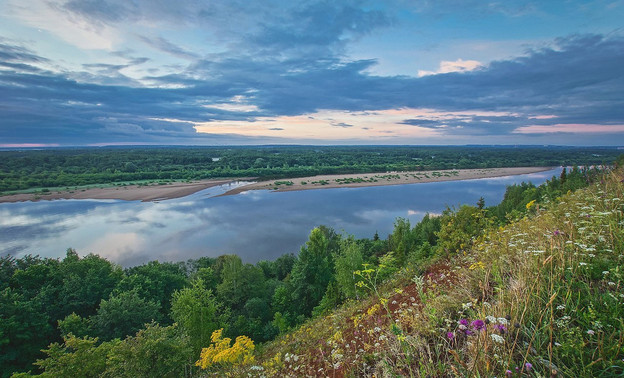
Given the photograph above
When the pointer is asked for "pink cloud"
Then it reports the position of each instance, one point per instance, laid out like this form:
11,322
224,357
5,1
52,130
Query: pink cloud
544,117
578,128
27,145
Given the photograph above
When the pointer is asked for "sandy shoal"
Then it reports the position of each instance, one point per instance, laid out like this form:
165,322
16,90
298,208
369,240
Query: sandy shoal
128,193
378,179
182,189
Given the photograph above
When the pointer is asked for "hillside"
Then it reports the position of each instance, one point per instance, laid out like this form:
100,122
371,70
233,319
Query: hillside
529,287
542,296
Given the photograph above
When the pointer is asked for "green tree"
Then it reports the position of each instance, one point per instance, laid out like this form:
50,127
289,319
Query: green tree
154,352
348,261
313,270
459,229
195,311
24,331
156,282
123,314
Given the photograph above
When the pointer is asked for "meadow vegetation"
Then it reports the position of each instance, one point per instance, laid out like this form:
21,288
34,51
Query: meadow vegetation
529,287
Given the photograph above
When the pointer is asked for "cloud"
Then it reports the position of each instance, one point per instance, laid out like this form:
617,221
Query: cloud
573,80
459,65
165,46
341,124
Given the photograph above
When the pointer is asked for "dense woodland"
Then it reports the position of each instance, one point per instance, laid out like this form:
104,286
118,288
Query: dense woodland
93,318
59,168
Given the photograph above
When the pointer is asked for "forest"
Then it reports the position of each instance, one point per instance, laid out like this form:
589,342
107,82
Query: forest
86,316
70,167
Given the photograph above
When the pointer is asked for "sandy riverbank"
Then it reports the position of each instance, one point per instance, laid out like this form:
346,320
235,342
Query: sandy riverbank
379,179
128,193
182,189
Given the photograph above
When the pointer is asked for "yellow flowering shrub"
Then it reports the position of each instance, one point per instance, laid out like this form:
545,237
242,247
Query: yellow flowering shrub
221,353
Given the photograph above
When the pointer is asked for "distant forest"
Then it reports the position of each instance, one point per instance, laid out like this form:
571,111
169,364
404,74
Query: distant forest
58,168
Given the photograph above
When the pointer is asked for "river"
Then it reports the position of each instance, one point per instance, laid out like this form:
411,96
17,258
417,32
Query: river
256,225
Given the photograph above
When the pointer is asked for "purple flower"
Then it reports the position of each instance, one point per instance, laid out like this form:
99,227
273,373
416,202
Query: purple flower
528,366
463,322
501,328
478,324
450,335
468,332
557,232
508,373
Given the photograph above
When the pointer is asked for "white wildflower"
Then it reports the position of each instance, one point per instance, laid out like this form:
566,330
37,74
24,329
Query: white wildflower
497,338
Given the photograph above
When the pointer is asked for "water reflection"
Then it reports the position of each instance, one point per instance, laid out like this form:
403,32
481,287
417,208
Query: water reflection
255,225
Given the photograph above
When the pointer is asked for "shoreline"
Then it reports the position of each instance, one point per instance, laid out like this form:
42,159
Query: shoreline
358,180
143,193
152,193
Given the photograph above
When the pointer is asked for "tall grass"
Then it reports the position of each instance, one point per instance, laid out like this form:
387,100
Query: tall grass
541,297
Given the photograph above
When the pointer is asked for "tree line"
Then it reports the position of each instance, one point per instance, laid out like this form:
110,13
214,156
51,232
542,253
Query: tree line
69,167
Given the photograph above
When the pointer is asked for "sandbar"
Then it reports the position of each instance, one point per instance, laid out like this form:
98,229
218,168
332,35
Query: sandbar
157,192
379,179
143,193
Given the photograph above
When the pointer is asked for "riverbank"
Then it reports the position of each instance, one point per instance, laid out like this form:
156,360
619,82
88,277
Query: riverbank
158,192
381,179
145,193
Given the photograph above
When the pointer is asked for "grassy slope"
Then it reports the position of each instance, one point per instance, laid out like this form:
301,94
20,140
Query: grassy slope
549,289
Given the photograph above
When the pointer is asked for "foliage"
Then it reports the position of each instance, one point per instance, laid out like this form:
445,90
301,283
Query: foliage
194,309
70,167
123,314
155,352
221,352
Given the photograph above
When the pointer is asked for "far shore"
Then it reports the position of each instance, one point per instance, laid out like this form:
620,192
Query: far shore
157,192
380,179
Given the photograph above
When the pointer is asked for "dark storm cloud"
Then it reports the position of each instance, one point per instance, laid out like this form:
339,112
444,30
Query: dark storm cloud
579,79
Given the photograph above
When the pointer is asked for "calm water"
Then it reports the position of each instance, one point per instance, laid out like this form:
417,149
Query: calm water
256,225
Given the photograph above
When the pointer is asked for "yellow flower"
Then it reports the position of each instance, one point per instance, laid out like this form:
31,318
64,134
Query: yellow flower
221,353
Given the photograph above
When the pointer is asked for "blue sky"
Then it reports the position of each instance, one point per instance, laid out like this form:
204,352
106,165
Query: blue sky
96,72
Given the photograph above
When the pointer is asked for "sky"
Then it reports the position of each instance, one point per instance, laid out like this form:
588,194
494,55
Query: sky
241,72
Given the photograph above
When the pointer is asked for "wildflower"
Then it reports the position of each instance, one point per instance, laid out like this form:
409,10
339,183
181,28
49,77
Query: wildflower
528,366
497,338
501,328
591,332
509,373
463,322
450,335
478,324
561,307
490,319
503,321
557,232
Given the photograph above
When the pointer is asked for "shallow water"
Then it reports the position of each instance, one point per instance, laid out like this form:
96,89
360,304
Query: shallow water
256,225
